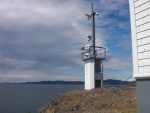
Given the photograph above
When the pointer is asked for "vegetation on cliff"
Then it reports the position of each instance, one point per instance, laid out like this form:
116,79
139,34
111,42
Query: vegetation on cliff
100,100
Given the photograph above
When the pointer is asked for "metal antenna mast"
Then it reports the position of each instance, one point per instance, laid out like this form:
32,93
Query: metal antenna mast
93,57
92,5
93,31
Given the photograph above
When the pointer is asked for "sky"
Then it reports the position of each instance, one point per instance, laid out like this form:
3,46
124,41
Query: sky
41,39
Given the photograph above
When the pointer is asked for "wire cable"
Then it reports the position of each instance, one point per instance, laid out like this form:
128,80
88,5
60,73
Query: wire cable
126,80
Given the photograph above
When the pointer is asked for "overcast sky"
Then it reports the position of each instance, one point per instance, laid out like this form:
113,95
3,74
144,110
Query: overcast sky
41,39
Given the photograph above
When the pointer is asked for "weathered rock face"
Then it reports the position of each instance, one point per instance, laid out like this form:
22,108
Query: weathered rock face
101,100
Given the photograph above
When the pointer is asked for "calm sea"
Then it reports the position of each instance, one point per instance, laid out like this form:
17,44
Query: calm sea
25,98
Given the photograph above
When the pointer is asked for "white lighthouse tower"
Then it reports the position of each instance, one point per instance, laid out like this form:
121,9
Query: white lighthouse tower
93,57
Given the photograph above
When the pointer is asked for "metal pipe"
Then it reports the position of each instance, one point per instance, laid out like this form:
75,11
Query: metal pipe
101,73
93,33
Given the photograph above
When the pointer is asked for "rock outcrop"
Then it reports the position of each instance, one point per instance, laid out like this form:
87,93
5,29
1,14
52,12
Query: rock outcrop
101,100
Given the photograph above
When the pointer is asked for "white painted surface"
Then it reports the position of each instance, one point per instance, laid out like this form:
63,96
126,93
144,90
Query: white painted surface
89,75
140,26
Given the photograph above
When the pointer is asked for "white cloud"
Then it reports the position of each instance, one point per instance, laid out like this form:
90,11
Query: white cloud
19,64
116,63
41,35
42,38
42,11
125,42
114,5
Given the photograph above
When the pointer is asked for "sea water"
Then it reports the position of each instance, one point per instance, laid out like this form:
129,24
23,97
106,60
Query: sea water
28,98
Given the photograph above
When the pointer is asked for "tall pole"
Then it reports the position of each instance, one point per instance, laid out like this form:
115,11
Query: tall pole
93,33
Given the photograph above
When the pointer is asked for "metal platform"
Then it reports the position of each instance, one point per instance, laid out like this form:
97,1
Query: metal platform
86,54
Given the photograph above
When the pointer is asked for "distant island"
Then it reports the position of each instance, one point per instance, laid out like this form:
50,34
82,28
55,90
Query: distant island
57,82
106,82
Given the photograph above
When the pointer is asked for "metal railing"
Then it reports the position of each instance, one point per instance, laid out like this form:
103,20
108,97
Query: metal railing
86,54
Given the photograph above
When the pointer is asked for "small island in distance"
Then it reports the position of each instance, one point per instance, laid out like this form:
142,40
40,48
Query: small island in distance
61,82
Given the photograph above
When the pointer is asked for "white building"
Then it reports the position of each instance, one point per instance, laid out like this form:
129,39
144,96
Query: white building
140,27
93,66
140,21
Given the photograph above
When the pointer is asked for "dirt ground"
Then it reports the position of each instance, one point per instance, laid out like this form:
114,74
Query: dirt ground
100,100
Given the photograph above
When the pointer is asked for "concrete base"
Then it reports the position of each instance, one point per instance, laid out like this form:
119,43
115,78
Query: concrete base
143,95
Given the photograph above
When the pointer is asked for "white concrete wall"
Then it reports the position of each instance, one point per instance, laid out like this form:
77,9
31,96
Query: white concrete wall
140,26
89,75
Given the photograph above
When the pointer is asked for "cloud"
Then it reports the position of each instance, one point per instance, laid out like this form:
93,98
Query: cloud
118,67
125,42
44,12
116,63
119,7
114,14
41,39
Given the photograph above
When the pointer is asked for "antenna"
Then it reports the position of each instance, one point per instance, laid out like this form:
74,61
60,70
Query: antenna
92,5
94,55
